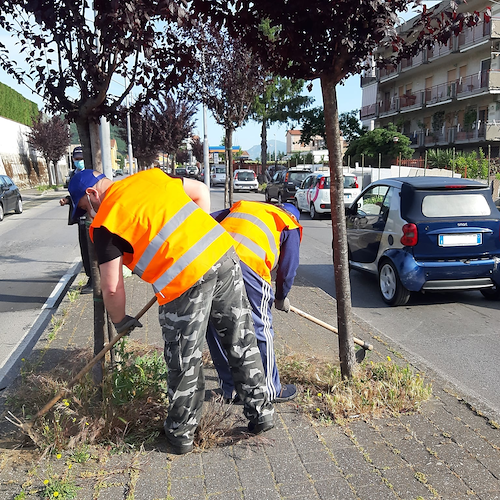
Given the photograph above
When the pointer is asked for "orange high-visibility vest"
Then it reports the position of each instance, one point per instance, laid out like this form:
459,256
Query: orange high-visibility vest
174,241
256,227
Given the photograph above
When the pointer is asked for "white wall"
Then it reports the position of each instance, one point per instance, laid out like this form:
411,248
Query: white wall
19,161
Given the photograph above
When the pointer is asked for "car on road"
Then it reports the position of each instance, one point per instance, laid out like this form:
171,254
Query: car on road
313,195
426,234
181,172
245,180
284,184
10,197
218,175
117,172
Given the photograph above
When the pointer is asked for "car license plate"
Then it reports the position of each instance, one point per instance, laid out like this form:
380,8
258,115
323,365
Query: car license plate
460,240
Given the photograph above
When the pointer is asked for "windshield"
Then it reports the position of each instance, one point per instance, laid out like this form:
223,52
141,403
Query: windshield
350,182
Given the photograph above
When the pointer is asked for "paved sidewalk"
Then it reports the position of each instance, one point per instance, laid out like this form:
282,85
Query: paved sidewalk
448,450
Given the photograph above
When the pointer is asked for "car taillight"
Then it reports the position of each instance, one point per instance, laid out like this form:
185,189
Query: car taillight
321,184
236,177
410,235
286,177
356,185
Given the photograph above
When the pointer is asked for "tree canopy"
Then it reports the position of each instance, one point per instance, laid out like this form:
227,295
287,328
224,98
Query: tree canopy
51,137
72,52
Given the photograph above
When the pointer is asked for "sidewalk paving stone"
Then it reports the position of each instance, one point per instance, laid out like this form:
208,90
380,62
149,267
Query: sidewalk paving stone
449,450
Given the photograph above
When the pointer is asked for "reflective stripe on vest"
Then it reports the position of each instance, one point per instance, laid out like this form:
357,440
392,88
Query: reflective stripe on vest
166,278
161,237
251,245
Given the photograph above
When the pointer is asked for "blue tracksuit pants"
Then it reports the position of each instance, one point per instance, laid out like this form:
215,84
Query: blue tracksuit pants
261,297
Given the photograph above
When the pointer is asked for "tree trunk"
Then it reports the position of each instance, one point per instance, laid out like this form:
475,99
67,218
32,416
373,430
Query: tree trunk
340,255
50,172
263,146
95,141
82,125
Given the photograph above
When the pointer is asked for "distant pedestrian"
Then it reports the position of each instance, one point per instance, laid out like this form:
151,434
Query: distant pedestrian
160,228
77,157
267,238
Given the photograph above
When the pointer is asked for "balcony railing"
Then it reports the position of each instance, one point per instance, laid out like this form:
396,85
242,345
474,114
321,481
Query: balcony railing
472,83
367,111
473,35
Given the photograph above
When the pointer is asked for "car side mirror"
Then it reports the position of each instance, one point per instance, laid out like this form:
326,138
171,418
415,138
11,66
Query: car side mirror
351,209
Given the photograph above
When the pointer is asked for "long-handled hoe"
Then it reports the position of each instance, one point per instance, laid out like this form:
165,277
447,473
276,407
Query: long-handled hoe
360,354
27,426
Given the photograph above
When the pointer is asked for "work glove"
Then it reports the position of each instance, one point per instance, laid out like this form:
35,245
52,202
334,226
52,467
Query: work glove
128,323
282,305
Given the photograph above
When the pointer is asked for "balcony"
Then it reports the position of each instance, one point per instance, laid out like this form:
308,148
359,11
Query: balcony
439,93
473,36
368,111
471,84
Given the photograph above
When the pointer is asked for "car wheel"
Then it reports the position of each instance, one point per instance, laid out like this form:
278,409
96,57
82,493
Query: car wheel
392,290
313,213
280,199
19,206
1,212
268,197
491,293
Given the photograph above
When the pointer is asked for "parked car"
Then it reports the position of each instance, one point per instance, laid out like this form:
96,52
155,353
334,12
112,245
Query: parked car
181,172
218,175
284,183
193,171
313,195
117,172
245,180
10,197
425,234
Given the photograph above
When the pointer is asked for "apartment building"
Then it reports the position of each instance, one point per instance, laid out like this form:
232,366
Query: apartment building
444,97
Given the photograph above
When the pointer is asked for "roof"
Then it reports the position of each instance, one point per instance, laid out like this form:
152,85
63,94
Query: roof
294,132
432,182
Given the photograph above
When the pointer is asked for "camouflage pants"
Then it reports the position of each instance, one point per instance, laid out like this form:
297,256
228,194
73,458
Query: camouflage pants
221,298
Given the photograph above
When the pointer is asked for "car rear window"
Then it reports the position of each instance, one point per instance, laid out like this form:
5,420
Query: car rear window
297,176
245,176
455,205
220,170
350,182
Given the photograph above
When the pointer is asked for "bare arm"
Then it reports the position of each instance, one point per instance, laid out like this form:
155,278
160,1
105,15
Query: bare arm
198,192
113,288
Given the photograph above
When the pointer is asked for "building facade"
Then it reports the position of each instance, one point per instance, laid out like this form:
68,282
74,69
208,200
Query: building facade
445,97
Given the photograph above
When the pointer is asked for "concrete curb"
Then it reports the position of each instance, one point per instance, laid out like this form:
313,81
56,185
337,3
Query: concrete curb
10,369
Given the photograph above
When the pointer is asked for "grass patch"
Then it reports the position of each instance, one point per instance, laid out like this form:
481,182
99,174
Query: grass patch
376,389
125,413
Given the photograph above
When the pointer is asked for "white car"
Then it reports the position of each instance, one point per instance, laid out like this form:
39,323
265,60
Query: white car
245,180
313,196
218,175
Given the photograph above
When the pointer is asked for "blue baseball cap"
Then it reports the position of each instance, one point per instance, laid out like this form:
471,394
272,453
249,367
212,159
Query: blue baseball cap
78,184
290,207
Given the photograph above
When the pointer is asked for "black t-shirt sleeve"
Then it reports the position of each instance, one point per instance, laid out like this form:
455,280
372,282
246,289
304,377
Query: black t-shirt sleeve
108,246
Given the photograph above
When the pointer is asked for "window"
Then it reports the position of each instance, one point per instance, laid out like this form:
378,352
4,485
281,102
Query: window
373,200
455,205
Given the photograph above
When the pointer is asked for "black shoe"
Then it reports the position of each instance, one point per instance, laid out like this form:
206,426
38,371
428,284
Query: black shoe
87,288
176,446
260,427
233,401
287,393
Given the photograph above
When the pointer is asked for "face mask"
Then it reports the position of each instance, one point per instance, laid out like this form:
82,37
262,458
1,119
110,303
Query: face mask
79,165
92,213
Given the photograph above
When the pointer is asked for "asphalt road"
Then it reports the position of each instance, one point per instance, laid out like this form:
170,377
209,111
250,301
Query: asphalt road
455,334
37,249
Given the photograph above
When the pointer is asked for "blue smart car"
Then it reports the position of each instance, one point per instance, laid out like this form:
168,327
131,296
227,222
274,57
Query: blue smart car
424,234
